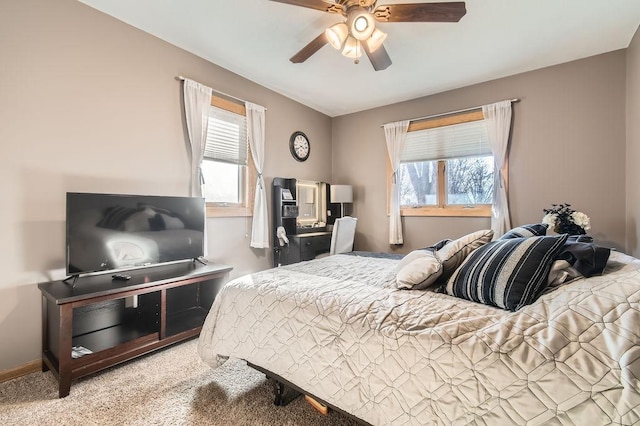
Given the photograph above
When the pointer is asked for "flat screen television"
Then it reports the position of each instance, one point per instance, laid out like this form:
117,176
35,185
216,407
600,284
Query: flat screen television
113,232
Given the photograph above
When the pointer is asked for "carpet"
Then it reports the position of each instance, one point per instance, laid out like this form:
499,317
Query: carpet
169,387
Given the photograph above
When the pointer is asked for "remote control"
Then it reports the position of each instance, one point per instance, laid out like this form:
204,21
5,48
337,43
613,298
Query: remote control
121,277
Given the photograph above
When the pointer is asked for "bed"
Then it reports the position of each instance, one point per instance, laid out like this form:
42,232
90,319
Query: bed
341,329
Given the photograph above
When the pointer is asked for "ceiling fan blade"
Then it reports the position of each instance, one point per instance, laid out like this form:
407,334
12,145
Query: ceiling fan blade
325,6
310,49
379,59
421,12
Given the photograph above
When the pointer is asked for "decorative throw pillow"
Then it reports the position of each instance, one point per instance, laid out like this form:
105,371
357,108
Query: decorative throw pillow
508,274
579,257
420,272
587,258
416,254
526,231
453,254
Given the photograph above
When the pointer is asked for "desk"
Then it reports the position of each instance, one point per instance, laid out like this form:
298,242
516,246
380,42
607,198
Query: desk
303,247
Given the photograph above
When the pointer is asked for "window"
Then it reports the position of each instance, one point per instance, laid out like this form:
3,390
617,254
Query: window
446,168
227,167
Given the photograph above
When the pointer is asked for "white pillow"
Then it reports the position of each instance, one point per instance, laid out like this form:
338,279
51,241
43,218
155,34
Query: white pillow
453,254
416,254
420,272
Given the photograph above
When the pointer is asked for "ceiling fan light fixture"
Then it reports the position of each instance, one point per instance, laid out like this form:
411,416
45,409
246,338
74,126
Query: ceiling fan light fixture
375,41
352,48
361,24
337,34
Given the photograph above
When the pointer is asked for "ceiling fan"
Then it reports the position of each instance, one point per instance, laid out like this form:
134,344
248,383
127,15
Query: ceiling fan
358,33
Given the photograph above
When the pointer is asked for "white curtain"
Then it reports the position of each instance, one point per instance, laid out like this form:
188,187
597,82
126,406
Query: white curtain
396,135
255,134
197,99
497,118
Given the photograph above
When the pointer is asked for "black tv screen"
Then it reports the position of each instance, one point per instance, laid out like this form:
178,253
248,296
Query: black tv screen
107,232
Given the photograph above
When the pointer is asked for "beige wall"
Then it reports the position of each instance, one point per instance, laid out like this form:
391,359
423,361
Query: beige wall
633,146
568,145
88,103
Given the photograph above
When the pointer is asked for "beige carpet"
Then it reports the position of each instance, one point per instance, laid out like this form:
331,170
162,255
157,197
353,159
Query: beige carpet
170,387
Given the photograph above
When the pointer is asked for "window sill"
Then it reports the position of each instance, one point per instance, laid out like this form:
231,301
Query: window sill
457,211
215,211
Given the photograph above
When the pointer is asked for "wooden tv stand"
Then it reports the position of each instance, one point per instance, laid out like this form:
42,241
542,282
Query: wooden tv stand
120,320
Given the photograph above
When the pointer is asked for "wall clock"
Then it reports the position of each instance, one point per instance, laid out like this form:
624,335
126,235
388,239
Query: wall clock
299,146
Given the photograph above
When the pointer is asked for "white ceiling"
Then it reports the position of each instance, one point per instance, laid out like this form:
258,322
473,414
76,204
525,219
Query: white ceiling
496,38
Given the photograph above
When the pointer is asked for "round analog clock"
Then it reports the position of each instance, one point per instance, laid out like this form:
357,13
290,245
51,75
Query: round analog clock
299,146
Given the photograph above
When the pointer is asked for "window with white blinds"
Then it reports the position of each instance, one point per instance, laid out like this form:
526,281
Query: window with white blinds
226,137
227,168
446,167
442,143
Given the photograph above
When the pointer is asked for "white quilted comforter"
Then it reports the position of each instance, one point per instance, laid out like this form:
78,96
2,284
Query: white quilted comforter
338,328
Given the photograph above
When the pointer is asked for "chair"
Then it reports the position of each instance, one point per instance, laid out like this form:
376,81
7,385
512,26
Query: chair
344,231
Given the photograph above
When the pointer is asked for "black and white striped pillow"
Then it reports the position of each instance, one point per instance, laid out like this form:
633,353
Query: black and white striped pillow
508,274
525,231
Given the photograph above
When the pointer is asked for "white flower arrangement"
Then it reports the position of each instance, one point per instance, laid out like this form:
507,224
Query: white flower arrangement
562,219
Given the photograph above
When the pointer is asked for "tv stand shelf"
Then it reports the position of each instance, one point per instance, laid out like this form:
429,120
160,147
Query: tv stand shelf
120,320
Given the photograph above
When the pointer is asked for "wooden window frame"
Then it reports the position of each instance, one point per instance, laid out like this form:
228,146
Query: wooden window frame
244,209
443,209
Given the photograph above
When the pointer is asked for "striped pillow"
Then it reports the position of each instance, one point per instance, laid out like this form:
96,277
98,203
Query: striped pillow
452,254
525,231
508,274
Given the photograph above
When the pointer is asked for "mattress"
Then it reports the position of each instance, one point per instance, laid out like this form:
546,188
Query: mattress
339,328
